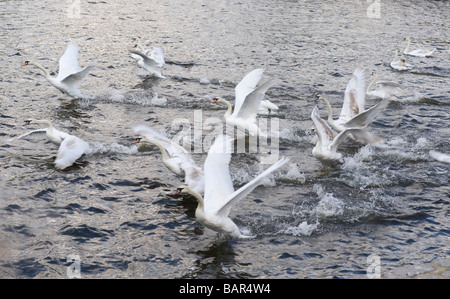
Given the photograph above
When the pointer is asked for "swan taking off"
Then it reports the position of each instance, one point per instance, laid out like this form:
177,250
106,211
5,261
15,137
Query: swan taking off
69,73
248,101
174,157
352,113
325,149
400,64
213,209
384,89
71,148
418,52
150,60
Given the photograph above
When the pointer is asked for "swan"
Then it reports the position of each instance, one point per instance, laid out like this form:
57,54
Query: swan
174,157
71,148
247,102
400,64
69,74
327,143
418,52
352,111
385,89
440,156
213,209
152,61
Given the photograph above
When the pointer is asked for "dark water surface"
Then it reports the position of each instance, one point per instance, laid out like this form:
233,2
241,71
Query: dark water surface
113,212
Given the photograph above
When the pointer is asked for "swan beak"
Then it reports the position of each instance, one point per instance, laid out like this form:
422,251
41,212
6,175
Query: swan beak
214,100
137,140
26,123
178,191
25,63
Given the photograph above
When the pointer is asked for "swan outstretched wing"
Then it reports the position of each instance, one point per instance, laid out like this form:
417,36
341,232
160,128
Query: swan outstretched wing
366,117
250,106
218,183
68,63
242,192
70,150
324,132
157,55
246,86
355,96
360,134
77,77
147,60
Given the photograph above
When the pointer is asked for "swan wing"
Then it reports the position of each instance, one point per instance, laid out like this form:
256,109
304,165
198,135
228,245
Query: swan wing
442,157
147,60
70,150
157,55
218,183
323,130
68,63
355,96
250,106
366,117
77,77
242,192
360,134
246,86
155,135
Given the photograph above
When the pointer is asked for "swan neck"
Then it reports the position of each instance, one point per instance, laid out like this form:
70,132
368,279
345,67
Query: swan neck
375,77
46,73
330,111
230,108
407,46
197,196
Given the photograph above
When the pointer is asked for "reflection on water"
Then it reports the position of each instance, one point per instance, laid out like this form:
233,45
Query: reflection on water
115,209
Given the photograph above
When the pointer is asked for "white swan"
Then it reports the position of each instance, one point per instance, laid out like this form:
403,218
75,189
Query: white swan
353,113
213,209
247,102
385,88
400,64
152,61
69,73
71,148
327,143
174,157
418,52
441,157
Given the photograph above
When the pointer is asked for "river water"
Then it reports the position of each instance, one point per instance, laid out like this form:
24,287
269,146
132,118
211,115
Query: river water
113,215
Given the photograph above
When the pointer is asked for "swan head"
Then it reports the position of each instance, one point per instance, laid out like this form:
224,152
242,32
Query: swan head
26,63
137,140
27,122
318,97
216,99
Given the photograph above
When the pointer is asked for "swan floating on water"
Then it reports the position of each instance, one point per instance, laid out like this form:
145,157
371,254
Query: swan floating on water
418,52
248,100
69,73
71,148
213,209
441,157
174,157
327,143
385,88
400,64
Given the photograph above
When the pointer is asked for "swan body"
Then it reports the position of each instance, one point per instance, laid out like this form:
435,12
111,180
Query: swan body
71,148
418,52
247,102
266,107
327,143
441,157
385,88
69,73
151,62
174,157
400,64
213,209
